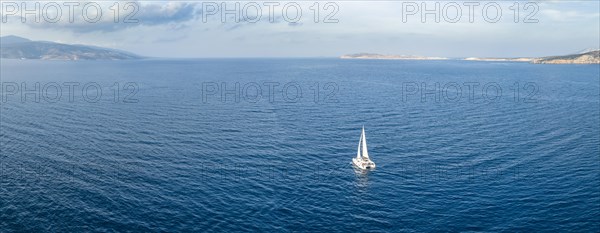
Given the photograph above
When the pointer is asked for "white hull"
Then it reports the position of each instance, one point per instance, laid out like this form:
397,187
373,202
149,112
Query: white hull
363,164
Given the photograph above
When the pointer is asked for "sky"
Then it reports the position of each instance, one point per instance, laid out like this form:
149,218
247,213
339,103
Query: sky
190,29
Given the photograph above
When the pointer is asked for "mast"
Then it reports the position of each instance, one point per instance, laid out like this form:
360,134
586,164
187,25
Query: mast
363,137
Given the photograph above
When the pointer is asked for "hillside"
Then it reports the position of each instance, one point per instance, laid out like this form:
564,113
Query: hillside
592,57
13,47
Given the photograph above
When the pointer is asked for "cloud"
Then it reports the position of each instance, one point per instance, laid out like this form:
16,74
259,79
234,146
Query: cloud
108,17
294,24
98,16
170,39
172,12
176,28
567,15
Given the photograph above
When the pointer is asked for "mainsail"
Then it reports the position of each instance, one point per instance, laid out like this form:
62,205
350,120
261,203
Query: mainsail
363,138
358,150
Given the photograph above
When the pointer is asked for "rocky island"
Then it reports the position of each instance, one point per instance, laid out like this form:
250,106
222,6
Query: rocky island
388,57
14,47
592,57
587,57
520,59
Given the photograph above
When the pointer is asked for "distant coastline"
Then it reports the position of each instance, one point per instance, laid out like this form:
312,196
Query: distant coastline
19,48
520,59
388,57
586,57
592,57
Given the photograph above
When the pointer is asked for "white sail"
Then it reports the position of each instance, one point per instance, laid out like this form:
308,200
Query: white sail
363,137
358,150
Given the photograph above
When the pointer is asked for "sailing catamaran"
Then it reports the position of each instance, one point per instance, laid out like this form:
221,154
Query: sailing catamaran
362,160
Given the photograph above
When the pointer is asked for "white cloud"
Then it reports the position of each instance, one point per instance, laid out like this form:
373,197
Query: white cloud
176,29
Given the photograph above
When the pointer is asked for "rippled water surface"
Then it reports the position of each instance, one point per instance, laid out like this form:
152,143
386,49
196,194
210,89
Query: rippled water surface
460,146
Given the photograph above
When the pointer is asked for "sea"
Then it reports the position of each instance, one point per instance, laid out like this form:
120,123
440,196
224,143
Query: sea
265,145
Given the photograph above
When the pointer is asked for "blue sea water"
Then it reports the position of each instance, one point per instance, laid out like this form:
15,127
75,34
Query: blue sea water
191,145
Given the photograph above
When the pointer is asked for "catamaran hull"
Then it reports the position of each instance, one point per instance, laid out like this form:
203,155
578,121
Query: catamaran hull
363,164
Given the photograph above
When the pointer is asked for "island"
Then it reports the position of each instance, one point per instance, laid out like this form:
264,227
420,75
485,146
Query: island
14,47
519,59
388,57
586,57
589,56
592,57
